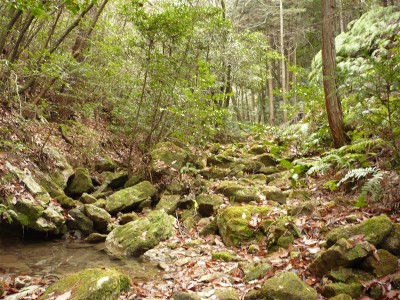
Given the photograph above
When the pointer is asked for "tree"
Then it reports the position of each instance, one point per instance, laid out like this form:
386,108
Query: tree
332,101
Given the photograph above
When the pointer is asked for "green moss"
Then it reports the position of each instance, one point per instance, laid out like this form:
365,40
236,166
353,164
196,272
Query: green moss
225,256
255,270
91,284
130,197
374,229
79,183
135,238
233,224
166,156
386,265
353,289
347,275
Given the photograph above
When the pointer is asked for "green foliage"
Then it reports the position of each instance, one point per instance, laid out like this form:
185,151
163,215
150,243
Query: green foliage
296,169
6,214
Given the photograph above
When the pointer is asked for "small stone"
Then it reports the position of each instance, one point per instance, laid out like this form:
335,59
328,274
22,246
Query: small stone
227,294
87,199
95,238
185,296
224,256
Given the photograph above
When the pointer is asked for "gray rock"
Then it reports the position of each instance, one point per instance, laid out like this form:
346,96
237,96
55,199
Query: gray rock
99,216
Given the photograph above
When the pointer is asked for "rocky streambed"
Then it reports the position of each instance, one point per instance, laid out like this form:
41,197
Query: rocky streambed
231,222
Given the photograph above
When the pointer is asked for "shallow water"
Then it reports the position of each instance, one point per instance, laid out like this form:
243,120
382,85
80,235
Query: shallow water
58,257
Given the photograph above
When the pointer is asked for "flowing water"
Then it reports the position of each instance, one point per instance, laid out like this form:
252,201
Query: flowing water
59,256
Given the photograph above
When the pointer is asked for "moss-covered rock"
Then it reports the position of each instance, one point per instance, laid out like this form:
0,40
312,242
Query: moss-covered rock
386,265
185,296
65,201
269,170
341,297
210,228
375,230
99,216
136,237
255,270
80,221
167,157
118,180
391,243
283,286
90,284
208,204
354,289
95,237
275,194
177,187
130,198
133,180
127,217
268,160
79,183
300,194
87,199
238,192
233,224
224,256
280,232
249,165
301,208
226,294
169,203
37,215
342,254
215,172
105,163
348,275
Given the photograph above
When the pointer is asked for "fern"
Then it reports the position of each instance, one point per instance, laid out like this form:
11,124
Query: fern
373,187
319,167
363,146
358,174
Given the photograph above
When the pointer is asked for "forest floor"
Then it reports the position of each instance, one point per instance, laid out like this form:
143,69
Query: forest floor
185,262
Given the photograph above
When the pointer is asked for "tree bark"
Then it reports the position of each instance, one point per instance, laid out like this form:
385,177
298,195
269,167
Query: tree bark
271,96
283,68
14,16
332,101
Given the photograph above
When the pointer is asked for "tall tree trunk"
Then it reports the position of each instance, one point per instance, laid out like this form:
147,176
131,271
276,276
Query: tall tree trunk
332,101
283,69
271,95
341,21
5,30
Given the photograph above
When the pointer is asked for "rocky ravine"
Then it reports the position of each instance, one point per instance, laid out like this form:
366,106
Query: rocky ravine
223,225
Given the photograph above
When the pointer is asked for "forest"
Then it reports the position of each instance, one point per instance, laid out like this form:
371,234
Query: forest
208,149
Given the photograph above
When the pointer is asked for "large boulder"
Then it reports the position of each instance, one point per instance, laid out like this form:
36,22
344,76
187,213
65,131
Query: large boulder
375,230
80,182
234,224
99,216
342,254
275,194
130,198
89,284
136,237
167,158
353,289
283,286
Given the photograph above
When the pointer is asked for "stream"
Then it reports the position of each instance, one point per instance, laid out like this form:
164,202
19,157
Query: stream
60,256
